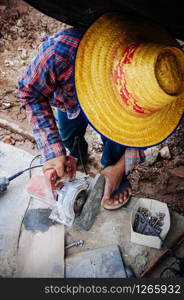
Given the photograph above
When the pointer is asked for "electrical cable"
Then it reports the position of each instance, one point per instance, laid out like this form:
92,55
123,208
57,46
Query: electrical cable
21,172
76,143
80,155
34,158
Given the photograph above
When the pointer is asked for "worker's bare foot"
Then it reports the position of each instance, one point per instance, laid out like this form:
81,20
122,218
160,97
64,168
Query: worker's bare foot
113,179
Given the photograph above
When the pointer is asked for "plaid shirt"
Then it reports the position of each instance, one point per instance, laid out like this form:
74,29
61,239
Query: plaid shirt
49,82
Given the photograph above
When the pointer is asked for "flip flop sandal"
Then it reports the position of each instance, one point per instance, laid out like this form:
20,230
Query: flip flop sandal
125,183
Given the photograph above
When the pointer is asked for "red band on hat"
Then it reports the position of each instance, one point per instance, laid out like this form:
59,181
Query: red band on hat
120,80
129,53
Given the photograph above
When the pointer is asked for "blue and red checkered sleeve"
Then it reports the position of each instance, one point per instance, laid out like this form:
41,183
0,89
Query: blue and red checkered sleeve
34,90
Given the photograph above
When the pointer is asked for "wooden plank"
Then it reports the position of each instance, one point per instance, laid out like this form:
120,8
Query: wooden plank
41,245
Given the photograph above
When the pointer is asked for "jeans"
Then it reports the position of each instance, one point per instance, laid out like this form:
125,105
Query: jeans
70,129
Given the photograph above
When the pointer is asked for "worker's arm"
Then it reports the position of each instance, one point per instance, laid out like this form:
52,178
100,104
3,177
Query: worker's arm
34,93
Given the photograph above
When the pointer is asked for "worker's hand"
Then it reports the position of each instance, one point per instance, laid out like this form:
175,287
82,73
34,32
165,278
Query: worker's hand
70,166
59,167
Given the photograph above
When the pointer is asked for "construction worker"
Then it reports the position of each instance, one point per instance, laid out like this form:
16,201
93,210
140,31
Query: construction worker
98,76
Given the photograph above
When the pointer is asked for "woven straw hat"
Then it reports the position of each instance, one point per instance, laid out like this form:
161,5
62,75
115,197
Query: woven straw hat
129,80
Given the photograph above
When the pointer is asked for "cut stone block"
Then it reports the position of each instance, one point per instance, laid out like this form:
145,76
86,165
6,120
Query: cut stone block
104,262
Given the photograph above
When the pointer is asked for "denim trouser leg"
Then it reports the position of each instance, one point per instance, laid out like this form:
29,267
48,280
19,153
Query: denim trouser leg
112,152
69,129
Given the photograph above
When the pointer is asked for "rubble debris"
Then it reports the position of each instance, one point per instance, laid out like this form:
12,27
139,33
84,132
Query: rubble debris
179,172
151,155
19,23
165,153
6,105
2,47
24,54
178,161
8,63
2,7
9,140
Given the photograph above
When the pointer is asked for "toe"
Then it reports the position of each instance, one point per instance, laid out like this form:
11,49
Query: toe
106,200
125,195
129,191
116,200
109,201
121,197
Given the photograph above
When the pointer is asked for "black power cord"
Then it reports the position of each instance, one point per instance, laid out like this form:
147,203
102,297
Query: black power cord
81,160
34,158
76,145
21,172
4,181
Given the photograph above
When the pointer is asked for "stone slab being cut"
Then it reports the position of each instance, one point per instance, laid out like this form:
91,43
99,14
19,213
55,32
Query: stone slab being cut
92,205
13,204
41,244
104,262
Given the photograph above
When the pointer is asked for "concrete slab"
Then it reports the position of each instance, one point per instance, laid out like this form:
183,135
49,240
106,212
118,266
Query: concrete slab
113,227
13,204
41,244
105,262
32,246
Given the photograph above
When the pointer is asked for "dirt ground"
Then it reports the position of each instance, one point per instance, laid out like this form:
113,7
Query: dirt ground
21,31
